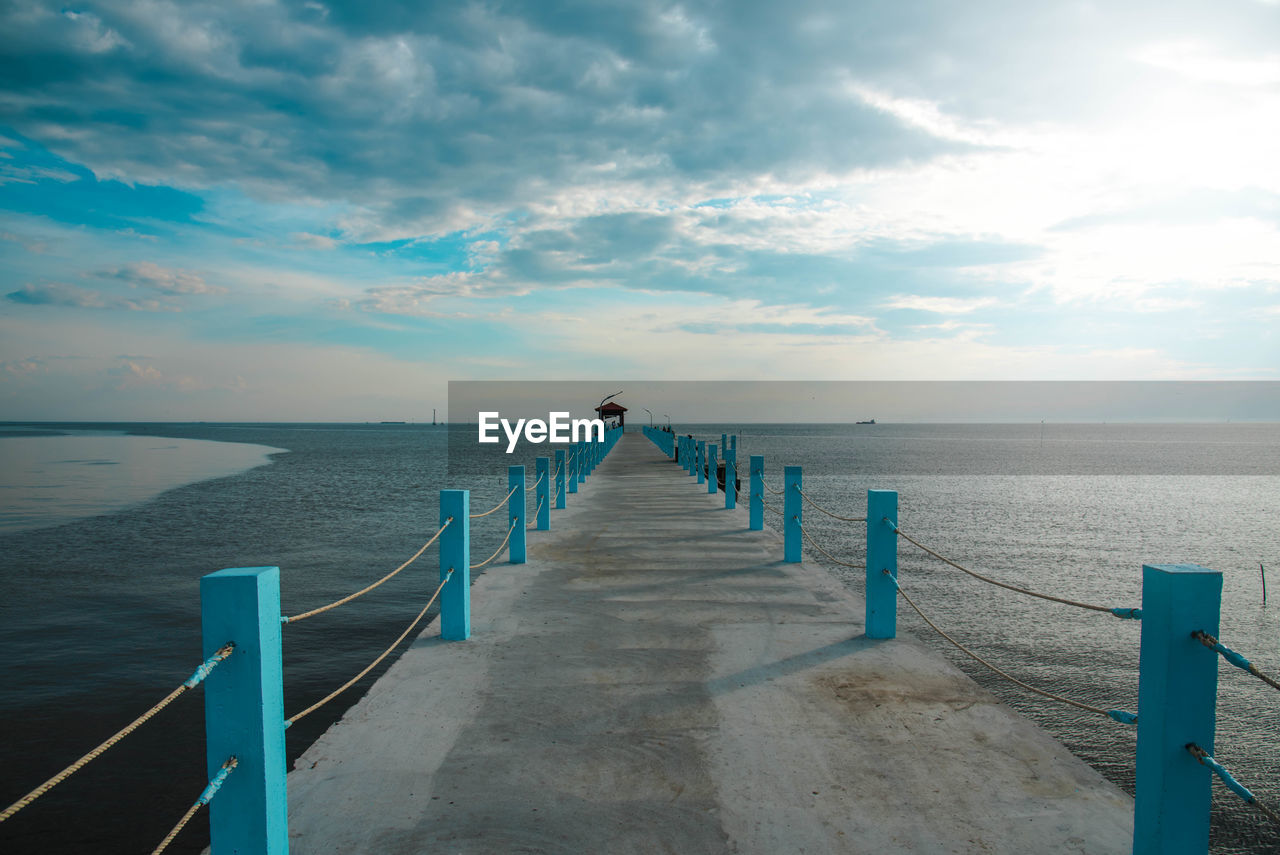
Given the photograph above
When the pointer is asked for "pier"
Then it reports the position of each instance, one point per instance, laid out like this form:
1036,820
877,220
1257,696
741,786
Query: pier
649,668
656,678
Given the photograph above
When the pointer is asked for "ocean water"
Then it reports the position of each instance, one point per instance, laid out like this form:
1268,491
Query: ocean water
99,616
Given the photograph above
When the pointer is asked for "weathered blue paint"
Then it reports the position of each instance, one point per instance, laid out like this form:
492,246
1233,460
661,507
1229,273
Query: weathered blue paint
542,496
701,461
560,473
730,478
244,710
711,468
793,514
733,442
455,555
583,463
573,468
882,556
756,487
724,441
1177,697
517,510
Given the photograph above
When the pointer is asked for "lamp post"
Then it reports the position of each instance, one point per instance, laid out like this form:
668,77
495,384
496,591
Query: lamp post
600,408
650,412
668,417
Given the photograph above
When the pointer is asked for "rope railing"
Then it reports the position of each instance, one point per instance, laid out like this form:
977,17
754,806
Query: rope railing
1206,759
206,796
770,489
347,685
825,511
769,507
535,483
501,546
498,506
536,511
1131,614
1233,657
367,589
1121,716
818,547
190,683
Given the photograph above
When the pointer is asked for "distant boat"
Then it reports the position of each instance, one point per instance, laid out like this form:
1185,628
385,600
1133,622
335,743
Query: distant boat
867,422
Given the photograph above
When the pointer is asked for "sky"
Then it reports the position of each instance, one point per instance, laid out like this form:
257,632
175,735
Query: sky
260,210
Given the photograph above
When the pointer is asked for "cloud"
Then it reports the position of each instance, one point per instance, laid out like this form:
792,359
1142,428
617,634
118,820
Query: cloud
941,305
168,281
59,294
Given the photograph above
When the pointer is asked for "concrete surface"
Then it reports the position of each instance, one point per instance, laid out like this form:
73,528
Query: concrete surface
656,680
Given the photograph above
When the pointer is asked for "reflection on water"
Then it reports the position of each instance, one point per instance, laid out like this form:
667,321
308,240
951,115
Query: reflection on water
53,478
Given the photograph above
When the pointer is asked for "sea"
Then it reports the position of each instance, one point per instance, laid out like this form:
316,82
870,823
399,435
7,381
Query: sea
106,529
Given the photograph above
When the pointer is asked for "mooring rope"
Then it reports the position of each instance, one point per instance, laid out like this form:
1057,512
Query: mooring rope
497,506
1233,657
205,797
1116,612
1206,759
1116,715
815,545
825,511
347,685
190,683
501,546
535,483
770,489
366,590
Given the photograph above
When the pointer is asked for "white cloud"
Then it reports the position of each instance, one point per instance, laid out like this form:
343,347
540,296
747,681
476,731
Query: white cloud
941,305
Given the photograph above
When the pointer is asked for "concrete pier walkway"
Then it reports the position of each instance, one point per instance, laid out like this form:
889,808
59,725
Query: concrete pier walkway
655,679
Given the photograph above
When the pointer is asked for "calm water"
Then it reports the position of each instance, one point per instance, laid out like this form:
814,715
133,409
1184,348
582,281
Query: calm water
50,477
99,617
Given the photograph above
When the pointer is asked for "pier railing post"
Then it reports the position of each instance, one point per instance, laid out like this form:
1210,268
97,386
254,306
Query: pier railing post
711,468
583,462
702,461
244,710
517,510
882,558
560,464
793,514
730,478
455,555
572,462
756,488
1177,700
543,494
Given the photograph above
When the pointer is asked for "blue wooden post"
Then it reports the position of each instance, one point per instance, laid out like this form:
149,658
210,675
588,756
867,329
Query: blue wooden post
756,488
724,441
542,495
244,710
730,477
711,468
1177,697
583,463
686,456
882,555
573,469
560,464
516,512
702,461
793,515
733,442
455,555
